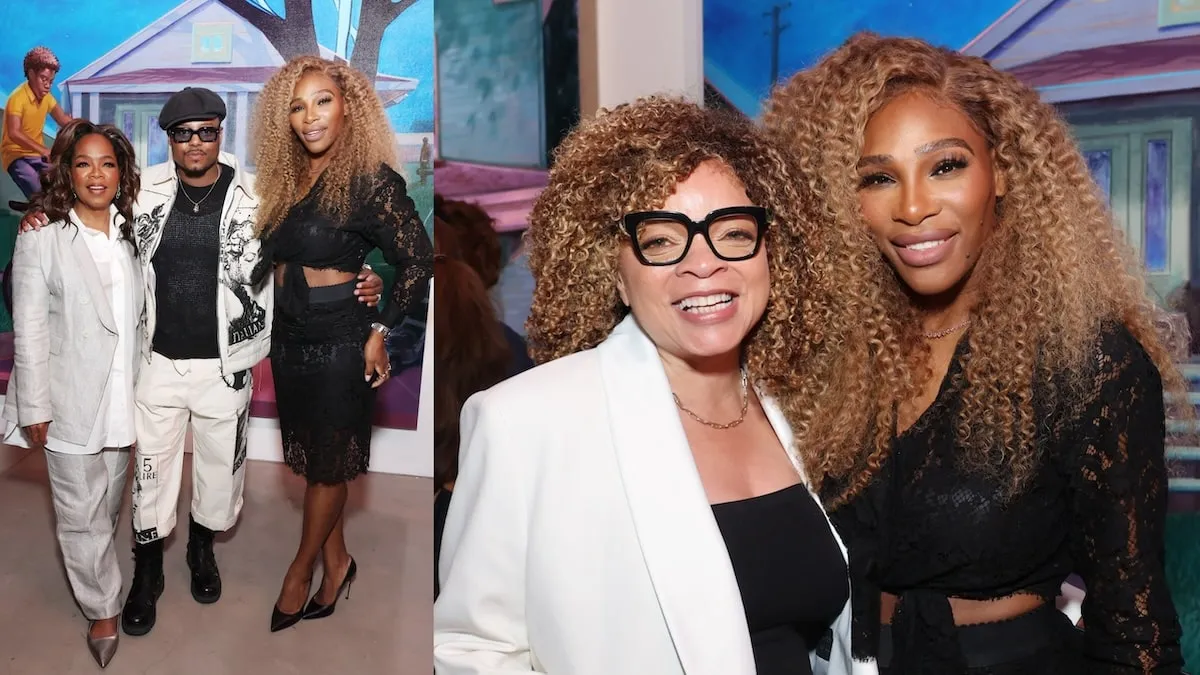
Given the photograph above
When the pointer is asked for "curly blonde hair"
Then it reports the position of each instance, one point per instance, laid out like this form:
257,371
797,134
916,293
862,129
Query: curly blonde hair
1056,268
366,142
631,158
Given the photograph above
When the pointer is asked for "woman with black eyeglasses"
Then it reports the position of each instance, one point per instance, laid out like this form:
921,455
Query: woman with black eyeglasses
635,505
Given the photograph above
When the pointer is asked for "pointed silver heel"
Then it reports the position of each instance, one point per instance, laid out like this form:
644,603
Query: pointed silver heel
104,648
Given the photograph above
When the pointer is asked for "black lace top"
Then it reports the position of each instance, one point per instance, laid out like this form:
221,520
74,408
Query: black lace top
384,217
926,529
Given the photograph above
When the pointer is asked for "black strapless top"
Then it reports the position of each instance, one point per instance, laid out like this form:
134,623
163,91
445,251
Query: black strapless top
790,571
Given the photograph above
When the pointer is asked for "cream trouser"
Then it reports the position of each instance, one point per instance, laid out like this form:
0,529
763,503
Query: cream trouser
87,491
170,394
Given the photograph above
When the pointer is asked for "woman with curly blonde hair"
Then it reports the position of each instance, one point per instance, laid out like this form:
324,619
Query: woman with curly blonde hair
1006,426
328,197
633,504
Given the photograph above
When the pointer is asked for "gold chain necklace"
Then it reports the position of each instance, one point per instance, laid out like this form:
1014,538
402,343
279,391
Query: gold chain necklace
728,425
938,334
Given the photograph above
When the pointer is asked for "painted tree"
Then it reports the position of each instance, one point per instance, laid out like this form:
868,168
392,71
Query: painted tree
374,18
295,33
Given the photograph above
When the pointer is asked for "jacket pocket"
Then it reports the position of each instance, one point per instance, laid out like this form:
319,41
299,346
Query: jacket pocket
56,343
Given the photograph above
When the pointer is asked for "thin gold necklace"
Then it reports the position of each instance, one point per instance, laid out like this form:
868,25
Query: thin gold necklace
715,425
939,334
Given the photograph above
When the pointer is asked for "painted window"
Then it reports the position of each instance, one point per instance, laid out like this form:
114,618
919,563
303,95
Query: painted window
1100,164
1178,12
156,143
1157,204
129,124
212,42
1144,169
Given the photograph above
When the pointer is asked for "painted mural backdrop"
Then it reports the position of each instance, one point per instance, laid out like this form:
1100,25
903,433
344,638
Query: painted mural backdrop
121,60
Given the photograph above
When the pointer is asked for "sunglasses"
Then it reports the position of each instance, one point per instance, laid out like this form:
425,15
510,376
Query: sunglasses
665,237
184,134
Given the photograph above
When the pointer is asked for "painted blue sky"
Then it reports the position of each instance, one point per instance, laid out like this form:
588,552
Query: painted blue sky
737,46
81,33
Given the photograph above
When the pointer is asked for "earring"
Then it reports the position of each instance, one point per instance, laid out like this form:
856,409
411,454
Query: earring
118,192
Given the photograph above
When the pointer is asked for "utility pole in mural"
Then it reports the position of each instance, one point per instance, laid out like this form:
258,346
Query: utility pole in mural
295,33
776,29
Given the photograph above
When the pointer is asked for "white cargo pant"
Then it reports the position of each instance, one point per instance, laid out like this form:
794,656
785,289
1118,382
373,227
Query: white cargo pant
170,394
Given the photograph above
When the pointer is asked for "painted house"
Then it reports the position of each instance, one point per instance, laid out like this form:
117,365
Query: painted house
199,43
1126,75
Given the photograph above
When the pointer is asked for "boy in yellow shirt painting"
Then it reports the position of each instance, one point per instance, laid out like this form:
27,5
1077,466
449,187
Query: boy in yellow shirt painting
22,152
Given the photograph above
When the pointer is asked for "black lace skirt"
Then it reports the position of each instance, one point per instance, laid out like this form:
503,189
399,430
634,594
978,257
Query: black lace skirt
325,406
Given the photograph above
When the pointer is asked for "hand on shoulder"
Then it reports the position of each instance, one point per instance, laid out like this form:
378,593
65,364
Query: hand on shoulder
33,220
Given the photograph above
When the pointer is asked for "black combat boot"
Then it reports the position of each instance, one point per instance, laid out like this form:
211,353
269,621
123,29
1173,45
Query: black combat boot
206,579
139,614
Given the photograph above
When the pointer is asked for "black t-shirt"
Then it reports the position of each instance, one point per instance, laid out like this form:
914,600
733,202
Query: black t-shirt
185,266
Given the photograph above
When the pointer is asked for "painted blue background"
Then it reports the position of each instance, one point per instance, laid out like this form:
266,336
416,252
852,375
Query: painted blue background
79,33
737,43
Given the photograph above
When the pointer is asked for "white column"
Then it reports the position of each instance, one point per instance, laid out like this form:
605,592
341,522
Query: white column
94,107
634,48
77,105
224,137
242,122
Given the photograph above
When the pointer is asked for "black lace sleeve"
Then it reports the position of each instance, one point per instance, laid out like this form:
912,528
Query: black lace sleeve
390,221
1119,505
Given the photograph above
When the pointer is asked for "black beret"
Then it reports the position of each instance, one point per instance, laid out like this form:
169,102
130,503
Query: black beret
193,103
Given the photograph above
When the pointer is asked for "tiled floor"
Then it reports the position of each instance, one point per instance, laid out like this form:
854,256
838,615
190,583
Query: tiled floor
384,627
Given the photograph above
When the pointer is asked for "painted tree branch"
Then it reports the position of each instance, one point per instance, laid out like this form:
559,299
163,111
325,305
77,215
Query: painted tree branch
294,35
374,18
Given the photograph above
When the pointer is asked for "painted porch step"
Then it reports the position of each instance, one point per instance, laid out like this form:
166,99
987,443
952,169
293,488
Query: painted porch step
1191,372
1188,453
1182,427
1183,484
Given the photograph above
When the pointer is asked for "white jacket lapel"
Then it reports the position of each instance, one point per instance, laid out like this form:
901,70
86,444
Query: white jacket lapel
681,543
840,660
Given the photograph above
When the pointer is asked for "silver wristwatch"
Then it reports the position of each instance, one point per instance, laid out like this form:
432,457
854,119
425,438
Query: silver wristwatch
381,329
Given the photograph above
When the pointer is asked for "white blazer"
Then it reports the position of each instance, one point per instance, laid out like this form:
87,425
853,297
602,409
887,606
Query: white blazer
65,336
580,540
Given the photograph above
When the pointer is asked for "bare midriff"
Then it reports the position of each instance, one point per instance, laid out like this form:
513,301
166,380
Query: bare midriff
318,277
968,612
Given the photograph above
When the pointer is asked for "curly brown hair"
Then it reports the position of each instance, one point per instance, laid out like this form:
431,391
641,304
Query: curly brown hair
57,197
476,235
39,59
366,142
631,158
1056,268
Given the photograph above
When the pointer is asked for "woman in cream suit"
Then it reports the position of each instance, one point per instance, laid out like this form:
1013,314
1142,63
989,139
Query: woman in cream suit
78,299
635,505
